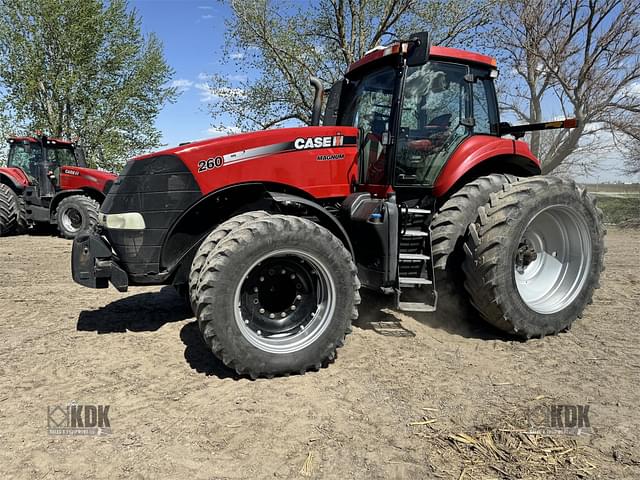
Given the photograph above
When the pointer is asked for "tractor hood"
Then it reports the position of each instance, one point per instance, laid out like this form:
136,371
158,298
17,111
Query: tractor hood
78,177
318,160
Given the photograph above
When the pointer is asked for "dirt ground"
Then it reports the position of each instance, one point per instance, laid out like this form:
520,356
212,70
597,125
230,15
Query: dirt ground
408,397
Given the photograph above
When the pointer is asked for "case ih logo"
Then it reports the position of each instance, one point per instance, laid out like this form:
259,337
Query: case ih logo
70,172
318,142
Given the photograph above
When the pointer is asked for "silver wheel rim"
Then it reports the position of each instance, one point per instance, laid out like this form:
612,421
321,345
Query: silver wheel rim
552,262
71,219
285,301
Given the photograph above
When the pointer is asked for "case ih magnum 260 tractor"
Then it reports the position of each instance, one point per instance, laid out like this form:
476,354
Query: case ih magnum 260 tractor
47,181
270,234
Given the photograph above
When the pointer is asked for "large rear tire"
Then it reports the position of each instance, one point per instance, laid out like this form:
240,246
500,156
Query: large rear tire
452,220
9,210
277,296
75,214
534,256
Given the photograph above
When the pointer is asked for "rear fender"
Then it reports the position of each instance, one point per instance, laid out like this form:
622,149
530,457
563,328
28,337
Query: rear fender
481,155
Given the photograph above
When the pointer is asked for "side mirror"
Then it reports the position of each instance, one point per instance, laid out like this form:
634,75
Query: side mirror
419,45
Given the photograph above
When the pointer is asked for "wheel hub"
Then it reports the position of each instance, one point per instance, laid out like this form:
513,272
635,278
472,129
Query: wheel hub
285,301
552,260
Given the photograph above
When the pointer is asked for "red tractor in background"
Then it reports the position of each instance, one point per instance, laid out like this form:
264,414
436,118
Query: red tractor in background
269,235
46,180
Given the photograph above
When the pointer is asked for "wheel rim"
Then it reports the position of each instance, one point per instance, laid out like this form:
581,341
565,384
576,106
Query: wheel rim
552,261
285,301
72,219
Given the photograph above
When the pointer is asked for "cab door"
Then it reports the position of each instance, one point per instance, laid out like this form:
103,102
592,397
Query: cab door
436,117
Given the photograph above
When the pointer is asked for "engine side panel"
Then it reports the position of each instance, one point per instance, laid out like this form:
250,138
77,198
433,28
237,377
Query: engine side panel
318,160
75,178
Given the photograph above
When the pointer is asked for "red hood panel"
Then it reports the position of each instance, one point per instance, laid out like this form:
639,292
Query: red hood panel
80,177
318,160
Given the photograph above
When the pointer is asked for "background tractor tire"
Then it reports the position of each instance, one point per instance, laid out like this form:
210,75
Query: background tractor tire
248,283
534,256
9,211
210,243
75,214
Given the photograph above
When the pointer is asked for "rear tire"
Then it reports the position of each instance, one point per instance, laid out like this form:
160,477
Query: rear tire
534,256
9,211
209,244
75,214
263,322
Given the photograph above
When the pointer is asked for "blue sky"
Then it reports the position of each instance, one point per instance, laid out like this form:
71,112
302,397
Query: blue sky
192,33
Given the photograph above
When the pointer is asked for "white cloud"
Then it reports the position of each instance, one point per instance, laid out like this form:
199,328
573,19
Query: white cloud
203,76
182,84
237,56
222,130
205,7
209,93
238,78
207,17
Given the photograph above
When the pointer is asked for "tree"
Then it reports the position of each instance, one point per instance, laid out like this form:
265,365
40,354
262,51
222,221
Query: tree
82,69
581,55
285,42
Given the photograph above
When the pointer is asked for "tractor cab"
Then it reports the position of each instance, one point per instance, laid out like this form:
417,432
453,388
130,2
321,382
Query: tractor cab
413,111
41,160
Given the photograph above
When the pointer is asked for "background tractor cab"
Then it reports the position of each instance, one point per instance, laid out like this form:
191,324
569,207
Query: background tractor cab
50,183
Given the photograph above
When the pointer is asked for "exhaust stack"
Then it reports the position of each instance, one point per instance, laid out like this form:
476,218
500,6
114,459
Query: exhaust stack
317,100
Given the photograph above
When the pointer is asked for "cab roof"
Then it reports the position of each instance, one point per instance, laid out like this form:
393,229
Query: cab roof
441,53
55,141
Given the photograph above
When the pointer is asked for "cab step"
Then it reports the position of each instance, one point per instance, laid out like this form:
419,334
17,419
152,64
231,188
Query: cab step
414,257
416,307
414,281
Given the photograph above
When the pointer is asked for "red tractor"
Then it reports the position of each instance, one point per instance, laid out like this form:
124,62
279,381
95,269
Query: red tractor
46,180
270,234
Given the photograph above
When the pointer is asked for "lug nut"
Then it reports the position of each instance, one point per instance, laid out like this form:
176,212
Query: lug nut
298,297
293,307
292,276
255,289
283,314
271,315
259,332
261,310
262,279
255,301
247,322
283,271
301,327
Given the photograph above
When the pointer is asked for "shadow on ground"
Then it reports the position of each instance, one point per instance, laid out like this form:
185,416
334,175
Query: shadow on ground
454,315
199,356
144,312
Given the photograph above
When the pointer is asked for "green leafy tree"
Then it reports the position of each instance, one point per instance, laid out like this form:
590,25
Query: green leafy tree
82,69
287,41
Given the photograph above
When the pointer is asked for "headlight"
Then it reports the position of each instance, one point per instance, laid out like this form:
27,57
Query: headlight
122,221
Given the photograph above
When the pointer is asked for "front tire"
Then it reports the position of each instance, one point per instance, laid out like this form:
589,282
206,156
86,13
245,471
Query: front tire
75,214
277,296
534,256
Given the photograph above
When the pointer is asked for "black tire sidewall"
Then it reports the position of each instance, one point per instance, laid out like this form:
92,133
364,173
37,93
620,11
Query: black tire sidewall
77,204
221,301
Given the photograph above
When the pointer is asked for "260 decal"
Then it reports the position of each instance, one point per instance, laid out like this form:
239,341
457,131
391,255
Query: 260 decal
210,164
